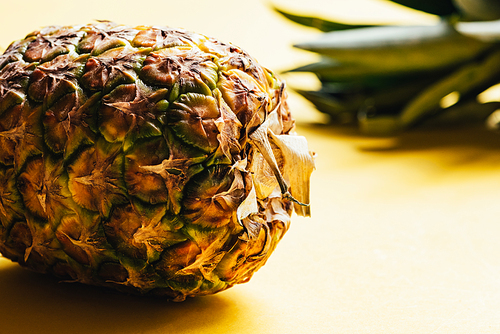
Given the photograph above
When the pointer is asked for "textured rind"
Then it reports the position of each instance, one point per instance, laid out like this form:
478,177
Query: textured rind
121,154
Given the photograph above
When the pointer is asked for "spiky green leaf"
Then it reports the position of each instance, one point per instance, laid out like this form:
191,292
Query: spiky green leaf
319,23
440,7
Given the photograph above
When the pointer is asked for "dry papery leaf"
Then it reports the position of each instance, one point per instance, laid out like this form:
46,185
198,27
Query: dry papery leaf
282,161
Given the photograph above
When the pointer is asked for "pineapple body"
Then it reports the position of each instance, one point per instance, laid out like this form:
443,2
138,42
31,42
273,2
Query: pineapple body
125,159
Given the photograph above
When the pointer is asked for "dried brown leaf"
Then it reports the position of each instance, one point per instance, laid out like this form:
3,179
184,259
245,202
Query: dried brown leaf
290,160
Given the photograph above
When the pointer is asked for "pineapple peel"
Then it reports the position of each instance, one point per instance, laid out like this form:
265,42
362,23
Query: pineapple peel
151,160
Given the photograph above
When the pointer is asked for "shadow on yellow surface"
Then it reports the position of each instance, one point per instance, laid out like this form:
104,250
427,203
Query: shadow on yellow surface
36,303
465,143
414,140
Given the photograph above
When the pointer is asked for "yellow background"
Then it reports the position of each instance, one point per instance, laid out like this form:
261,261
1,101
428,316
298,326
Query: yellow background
404,233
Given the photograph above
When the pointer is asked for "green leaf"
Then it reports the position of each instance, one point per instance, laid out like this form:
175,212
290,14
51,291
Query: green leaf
464,112
398,49
318,23
475,76
488,31
330,70
335,107
436,7
337,98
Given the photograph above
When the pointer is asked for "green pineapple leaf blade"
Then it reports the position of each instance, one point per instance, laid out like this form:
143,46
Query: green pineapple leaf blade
394,49
330,70
318,23
466,81
488,31
468,111
386,95
440,7
464,112
470,78
327,103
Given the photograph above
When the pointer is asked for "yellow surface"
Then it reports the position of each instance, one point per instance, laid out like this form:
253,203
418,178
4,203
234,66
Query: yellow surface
404,233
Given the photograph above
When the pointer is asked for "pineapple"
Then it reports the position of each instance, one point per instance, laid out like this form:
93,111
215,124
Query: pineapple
390,78
152,160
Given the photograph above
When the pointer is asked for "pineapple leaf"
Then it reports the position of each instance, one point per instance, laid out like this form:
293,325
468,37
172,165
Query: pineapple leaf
440,7
471,77
329,70
488,31
467,81
318,23
470,110
493,120
327,103
291,154
398,49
